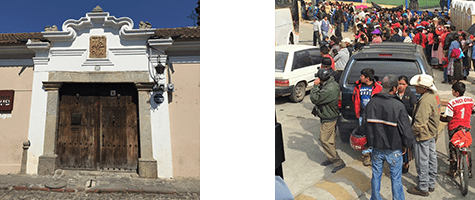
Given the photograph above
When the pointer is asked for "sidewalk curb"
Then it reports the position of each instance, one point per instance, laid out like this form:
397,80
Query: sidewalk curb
78,183
132,191
37,188
92,190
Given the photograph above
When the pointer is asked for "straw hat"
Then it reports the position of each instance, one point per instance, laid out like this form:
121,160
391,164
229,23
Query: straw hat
423,80
347,40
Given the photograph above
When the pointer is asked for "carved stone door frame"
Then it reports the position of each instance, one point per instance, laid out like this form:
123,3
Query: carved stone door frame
49,161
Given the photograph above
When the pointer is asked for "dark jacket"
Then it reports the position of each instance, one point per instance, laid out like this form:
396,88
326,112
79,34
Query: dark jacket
396,38
409,99
448,40
325,98
386,123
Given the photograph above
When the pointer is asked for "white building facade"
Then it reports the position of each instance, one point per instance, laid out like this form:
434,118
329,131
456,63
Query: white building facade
100,50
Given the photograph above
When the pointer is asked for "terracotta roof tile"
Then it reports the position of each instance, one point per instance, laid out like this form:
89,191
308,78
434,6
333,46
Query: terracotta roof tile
19,38
182,33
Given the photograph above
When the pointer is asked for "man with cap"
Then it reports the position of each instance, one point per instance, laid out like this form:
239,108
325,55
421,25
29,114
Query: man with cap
325,52
347,42
425,127
387,132
324,95
341,58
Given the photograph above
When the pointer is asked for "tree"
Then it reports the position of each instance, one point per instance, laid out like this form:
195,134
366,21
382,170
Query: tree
197,10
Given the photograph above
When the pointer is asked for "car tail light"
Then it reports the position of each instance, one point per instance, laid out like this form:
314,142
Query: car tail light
339,101
281,82
385,55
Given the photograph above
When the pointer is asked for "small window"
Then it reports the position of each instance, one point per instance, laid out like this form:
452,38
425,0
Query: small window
383,68
301,59
280,60
76,119
315,56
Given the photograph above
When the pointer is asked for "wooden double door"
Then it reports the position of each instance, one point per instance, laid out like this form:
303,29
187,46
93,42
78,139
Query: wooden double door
97,128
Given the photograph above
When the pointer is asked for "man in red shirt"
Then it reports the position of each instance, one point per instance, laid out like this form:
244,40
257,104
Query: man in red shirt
325,51
420,38
458,111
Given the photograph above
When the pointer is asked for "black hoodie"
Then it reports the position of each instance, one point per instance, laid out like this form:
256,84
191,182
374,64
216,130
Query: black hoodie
386,123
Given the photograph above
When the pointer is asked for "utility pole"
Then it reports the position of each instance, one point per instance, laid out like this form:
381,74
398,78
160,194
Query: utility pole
193,16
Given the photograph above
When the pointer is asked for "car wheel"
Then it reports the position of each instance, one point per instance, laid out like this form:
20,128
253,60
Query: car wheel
298,92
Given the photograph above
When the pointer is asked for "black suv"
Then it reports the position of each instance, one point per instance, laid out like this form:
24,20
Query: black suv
385,58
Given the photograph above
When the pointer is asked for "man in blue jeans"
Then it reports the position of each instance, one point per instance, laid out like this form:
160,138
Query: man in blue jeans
425,125
388,130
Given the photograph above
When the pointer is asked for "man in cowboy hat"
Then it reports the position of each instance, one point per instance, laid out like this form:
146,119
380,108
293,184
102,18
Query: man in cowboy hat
424,125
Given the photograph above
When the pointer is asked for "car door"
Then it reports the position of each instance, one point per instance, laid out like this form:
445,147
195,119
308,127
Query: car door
305,64
316,58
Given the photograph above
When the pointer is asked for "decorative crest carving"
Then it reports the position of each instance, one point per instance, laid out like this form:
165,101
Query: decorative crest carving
145,25
49,28
97,9
97,47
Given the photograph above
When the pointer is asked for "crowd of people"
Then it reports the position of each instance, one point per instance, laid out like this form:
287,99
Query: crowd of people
408,127
434,31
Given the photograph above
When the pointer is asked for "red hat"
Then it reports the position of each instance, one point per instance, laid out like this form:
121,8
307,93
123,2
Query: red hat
424,23
396,25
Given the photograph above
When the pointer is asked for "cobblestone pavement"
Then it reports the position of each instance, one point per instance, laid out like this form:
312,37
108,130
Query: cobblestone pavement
33,195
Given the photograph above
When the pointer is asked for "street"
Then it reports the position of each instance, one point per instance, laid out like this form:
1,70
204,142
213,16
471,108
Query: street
72,184
33,195
307,179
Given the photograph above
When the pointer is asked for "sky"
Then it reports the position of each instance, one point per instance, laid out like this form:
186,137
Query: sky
18,16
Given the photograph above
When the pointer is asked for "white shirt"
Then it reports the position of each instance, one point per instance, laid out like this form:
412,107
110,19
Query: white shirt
316,25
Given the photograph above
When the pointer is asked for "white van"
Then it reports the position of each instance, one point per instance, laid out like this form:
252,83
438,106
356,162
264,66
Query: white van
284,28
295,68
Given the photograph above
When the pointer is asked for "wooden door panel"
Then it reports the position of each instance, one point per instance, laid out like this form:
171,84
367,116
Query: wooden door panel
114,134
76,136
132,134
98,131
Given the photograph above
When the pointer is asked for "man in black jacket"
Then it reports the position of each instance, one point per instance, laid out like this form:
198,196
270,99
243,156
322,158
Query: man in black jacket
388,130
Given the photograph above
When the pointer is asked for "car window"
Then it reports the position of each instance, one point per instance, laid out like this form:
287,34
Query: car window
280,60
383,68
301,59
427,67
315,56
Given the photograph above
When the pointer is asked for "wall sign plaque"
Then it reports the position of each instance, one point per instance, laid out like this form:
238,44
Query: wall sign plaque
97,47
6,99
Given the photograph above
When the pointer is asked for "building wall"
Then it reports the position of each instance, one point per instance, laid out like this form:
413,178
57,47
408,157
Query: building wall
14,124
462,14
69,51
184,106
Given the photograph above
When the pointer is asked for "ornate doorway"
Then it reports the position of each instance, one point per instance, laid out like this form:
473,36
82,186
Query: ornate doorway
98,127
